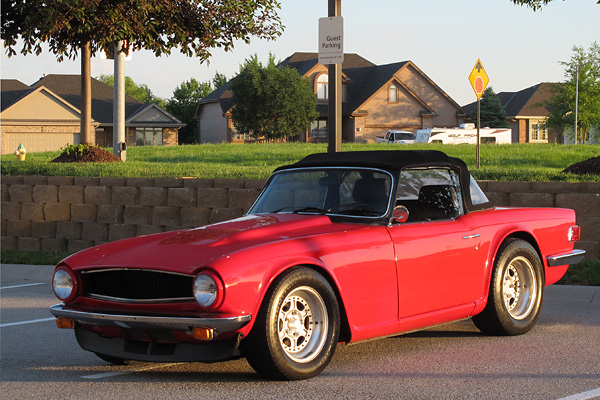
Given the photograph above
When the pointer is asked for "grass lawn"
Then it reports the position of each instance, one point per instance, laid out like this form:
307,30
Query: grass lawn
514,162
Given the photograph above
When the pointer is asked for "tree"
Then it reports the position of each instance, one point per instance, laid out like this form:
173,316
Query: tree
139,92
219,80
492,112
582,75
85,26
183,105
535,4
272,102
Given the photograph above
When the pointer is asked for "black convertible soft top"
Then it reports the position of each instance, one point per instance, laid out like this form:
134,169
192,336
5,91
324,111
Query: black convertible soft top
384,159
393,160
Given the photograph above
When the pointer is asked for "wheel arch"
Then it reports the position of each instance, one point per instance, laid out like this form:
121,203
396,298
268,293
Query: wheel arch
345,332
529,238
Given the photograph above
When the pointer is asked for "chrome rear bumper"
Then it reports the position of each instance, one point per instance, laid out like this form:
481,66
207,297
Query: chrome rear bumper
566,259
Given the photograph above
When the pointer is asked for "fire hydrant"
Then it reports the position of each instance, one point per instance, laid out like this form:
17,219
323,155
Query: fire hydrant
21,152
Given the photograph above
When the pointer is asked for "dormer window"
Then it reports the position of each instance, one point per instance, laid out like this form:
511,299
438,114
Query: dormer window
323,87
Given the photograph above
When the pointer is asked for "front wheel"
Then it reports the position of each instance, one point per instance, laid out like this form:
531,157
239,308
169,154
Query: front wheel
516,289
297,328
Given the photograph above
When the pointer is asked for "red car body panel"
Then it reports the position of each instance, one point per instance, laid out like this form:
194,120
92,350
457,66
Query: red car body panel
442,274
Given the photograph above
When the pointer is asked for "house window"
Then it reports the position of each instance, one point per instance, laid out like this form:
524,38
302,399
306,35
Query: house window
148,136
318,129
322,87
538,132
393,94
236,136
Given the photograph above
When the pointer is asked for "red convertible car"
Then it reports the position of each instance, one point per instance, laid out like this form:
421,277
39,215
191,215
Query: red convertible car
337,248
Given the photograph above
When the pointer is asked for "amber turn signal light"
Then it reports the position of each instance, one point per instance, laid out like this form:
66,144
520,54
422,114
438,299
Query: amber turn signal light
65,323
203,333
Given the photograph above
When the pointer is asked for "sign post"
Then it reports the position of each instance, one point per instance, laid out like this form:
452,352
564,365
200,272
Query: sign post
331,53
479,81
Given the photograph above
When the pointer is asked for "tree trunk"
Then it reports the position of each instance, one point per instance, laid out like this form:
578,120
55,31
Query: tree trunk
86,135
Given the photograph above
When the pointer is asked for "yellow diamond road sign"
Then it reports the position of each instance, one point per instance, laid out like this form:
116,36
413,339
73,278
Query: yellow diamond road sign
478,79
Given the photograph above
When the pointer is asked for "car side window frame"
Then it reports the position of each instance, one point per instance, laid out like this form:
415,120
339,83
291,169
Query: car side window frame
442,198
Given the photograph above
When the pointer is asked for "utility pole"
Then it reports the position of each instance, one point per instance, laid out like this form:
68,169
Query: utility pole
86,136
334,121
119,142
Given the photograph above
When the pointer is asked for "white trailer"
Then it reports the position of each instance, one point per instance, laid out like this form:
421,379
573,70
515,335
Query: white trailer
465,134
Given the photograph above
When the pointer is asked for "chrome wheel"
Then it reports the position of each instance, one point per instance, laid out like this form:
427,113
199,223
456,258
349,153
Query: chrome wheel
302,324
297,327
516,290
519,288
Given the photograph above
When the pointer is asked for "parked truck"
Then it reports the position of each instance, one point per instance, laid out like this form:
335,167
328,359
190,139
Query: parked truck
398,137
467,133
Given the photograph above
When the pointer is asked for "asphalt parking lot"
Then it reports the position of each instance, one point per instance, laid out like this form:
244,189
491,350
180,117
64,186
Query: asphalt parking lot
558,359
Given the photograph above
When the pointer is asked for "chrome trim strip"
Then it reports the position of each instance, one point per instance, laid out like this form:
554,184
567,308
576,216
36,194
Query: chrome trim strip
124,300
563,259
471,236
158,271
149,322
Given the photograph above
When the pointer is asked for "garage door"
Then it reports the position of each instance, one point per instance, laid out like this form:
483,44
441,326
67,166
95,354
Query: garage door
37,142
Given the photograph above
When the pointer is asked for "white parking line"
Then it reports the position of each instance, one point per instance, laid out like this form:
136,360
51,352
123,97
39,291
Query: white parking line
130,371
590,394
33,321
20,286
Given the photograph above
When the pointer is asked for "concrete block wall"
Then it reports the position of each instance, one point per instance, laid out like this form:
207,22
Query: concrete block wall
72,213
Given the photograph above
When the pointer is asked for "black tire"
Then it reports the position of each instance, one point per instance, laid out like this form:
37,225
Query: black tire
297,328
516,290
112,360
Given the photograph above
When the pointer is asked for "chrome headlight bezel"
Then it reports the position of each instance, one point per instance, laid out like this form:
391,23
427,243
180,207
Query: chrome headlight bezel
64,284
208,290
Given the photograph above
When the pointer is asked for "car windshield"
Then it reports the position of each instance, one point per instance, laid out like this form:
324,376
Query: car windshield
353,192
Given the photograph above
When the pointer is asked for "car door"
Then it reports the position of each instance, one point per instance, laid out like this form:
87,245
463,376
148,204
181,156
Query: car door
439,258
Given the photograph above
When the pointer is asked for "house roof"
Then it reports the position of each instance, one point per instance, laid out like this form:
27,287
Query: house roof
13,91
361,77
69,88
528,102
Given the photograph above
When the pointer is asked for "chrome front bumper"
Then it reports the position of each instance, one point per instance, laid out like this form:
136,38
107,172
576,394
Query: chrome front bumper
220,325
566,259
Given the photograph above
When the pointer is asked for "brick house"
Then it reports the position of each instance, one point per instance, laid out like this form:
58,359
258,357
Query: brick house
375,98
46,116
526,114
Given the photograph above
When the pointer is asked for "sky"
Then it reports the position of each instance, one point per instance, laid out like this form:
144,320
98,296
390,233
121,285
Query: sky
518,47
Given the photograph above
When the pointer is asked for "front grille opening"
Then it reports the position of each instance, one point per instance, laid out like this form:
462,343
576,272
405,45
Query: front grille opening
137,285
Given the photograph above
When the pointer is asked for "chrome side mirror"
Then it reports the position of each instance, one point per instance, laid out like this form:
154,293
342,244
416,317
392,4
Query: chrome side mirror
399,215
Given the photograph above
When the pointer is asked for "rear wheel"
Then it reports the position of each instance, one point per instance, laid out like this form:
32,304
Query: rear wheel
516,289
297,328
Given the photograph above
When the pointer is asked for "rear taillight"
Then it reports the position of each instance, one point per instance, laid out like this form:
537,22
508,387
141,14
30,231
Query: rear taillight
574,234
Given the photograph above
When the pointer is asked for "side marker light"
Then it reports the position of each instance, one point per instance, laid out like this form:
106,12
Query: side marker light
65,323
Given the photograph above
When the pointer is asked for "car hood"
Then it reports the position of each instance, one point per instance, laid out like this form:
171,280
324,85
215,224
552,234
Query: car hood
188,250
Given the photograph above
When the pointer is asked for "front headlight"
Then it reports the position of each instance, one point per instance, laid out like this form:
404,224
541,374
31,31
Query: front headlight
205,290
63,284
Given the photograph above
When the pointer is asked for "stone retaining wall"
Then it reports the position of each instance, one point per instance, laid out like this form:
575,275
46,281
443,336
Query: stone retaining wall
72,213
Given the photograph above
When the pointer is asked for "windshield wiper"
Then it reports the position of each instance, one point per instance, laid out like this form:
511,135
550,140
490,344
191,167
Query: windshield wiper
313,210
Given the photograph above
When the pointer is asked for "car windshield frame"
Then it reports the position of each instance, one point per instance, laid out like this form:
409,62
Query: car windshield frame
330,183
